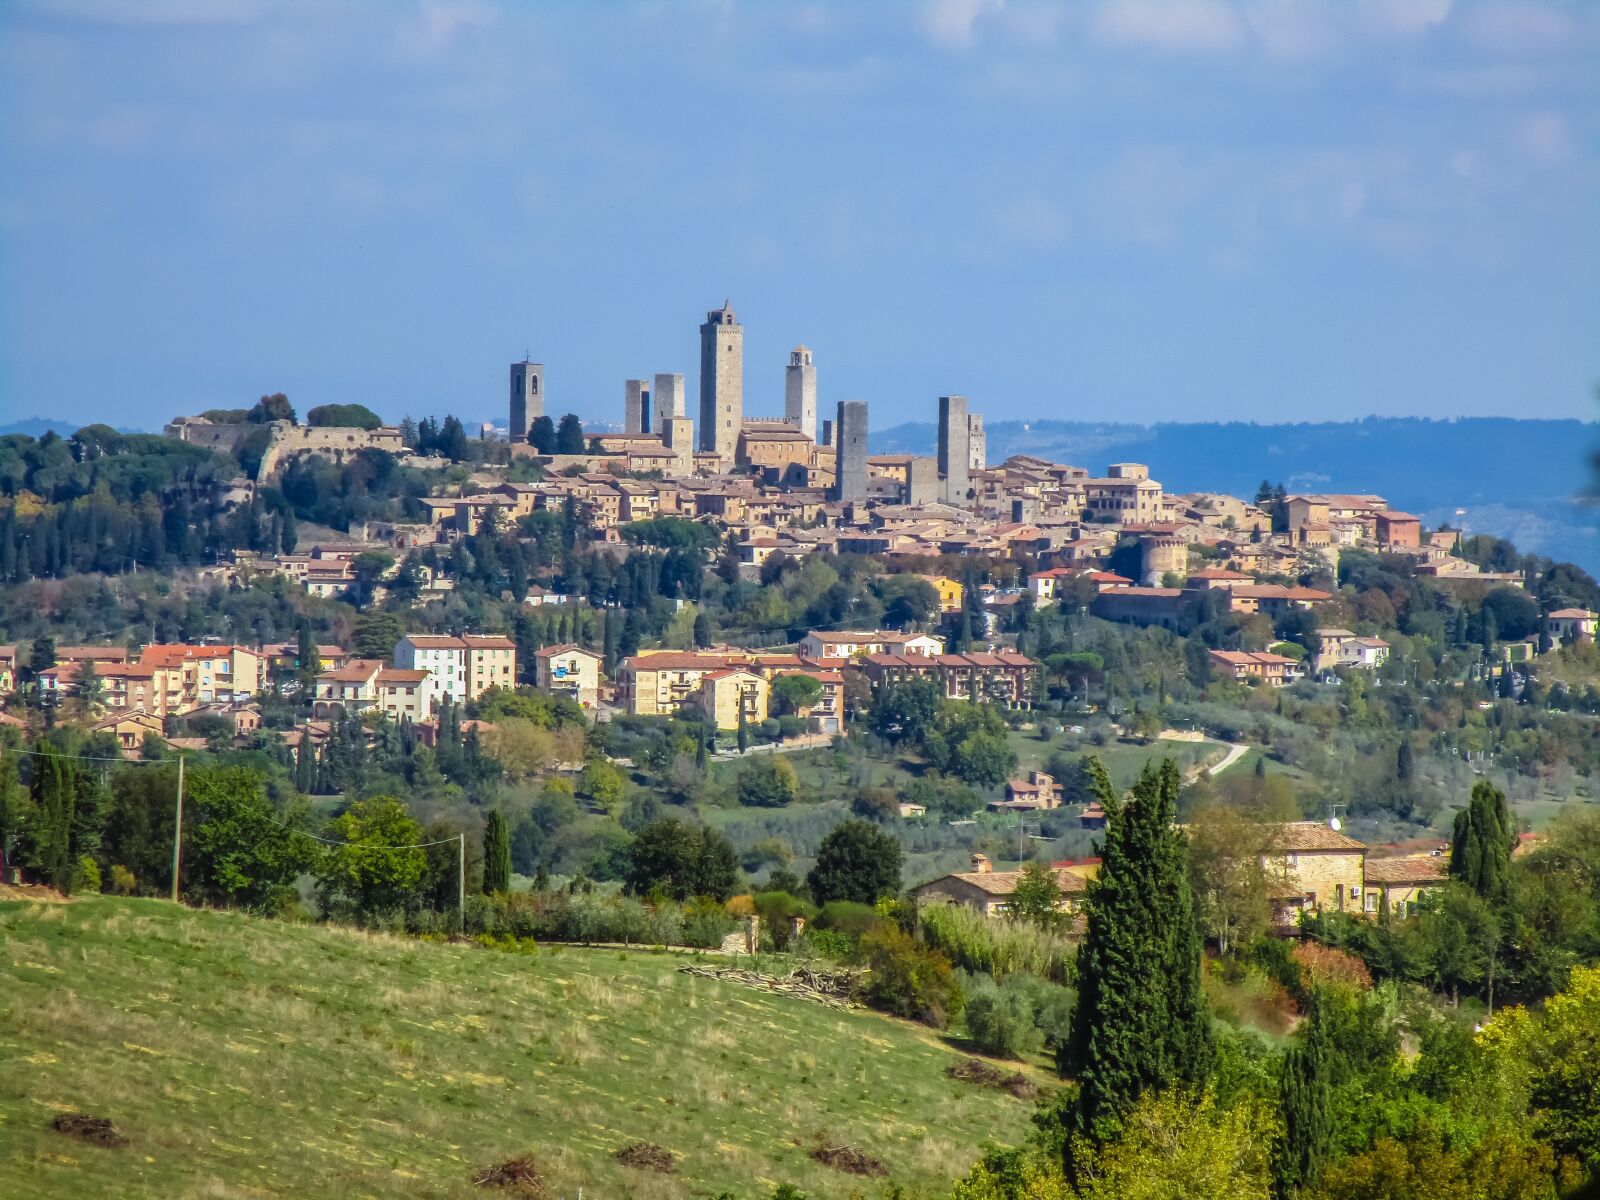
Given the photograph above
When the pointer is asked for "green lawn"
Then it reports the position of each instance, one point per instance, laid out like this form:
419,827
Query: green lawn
1123,760
252,1058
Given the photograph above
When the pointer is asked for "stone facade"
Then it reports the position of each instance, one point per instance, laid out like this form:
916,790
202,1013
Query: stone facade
527,398
670,399
955,449
977,443
850,481
800,392
721,382
636,406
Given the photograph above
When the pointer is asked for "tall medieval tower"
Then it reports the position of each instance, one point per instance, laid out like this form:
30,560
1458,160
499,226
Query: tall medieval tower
721,382
800,392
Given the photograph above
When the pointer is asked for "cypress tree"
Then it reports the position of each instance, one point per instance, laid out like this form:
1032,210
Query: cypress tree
54,792
496,855
1480,845
1140,1023
744,731
305,765
1304,1099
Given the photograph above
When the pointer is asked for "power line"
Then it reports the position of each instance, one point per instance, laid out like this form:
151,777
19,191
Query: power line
159,762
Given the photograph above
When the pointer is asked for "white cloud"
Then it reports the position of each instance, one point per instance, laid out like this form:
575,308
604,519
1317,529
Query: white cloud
1172,26
432,28
1032,219
951,23
1544,138
1289,30
1404,18
1518,28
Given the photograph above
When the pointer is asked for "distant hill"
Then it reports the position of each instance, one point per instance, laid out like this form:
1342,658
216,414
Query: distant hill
243,1056
37,427
1513,478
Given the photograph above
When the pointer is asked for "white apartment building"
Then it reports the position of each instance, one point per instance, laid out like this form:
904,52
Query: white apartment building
459,668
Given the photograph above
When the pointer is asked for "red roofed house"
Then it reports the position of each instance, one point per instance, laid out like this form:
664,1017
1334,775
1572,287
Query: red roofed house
1256,665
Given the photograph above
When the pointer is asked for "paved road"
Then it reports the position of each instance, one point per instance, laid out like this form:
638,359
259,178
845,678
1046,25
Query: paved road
1235,753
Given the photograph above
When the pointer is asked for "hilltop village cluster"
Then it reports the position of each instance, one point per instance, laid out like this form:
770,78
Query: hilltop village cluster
797,485
789,486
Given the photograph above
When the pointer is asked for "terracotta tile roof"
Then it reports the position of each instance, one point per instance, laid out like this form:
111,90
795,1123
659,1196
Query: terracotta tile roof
400,675
357,670
1579,614
1425,869
565,648
1297,837
676,660
1003,883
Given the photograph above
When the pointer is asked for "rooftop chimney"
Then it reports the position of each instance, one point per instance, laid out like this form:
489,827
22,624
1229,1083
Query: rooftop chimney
981,864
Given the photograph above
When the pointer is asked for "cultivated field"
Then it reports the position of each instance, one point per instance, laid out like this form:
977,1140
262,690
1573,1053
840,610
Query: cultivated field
247,1058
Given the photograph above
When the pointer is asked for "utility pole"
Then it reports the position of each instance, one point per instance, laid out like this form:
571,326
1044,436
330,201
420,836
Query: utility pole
177,834
461,879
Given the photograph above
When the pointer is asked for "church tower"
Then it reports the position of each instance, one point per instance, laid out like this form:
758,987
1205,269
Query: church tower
527,398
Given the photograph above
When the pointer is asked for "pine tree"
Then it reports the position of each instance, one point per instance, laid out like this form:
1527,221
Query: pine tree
1140,1023
496,855
1304,1100
1480,847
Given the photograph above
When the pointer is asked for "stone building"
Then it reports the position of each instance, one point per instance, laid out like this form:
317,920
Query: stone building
800,392
990,891
721,382
1315,866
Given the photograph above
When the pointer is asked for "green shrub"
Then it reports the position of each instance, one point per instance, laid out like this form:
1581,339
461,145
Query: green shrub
999,1020
88,875
984,946
848,918
908,979
777,910
123,882
827,943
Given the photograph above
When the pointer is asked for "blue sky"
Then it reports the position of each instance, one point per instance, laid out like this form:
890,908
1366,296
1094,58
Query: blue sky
1158,210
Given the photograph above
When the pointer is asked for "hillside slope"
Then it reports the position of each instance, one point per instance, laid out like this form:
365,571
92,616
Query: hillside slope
253,1058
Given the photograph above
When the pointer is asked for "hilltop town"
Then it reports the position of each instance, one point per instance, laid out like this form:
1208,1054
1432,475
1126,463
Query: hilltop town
739,686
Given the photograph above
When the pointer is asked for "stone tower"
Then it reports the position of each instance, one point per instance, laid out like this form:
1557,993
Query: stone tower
670,401
636,406
800,392
527,397
955,450
977,443
721,382
850,466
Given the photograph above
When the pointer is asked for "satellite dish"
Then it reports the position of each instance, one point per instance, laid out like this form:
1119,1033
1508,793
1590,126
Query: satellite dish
1333,824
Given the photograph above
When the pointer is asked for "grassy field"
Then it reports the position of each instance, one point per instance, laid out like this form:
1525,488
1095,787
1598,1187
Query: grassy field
247,1058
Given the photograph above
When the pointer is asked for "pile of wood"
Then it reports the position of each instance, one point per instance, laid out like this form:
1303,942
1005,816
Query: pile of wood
834,988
